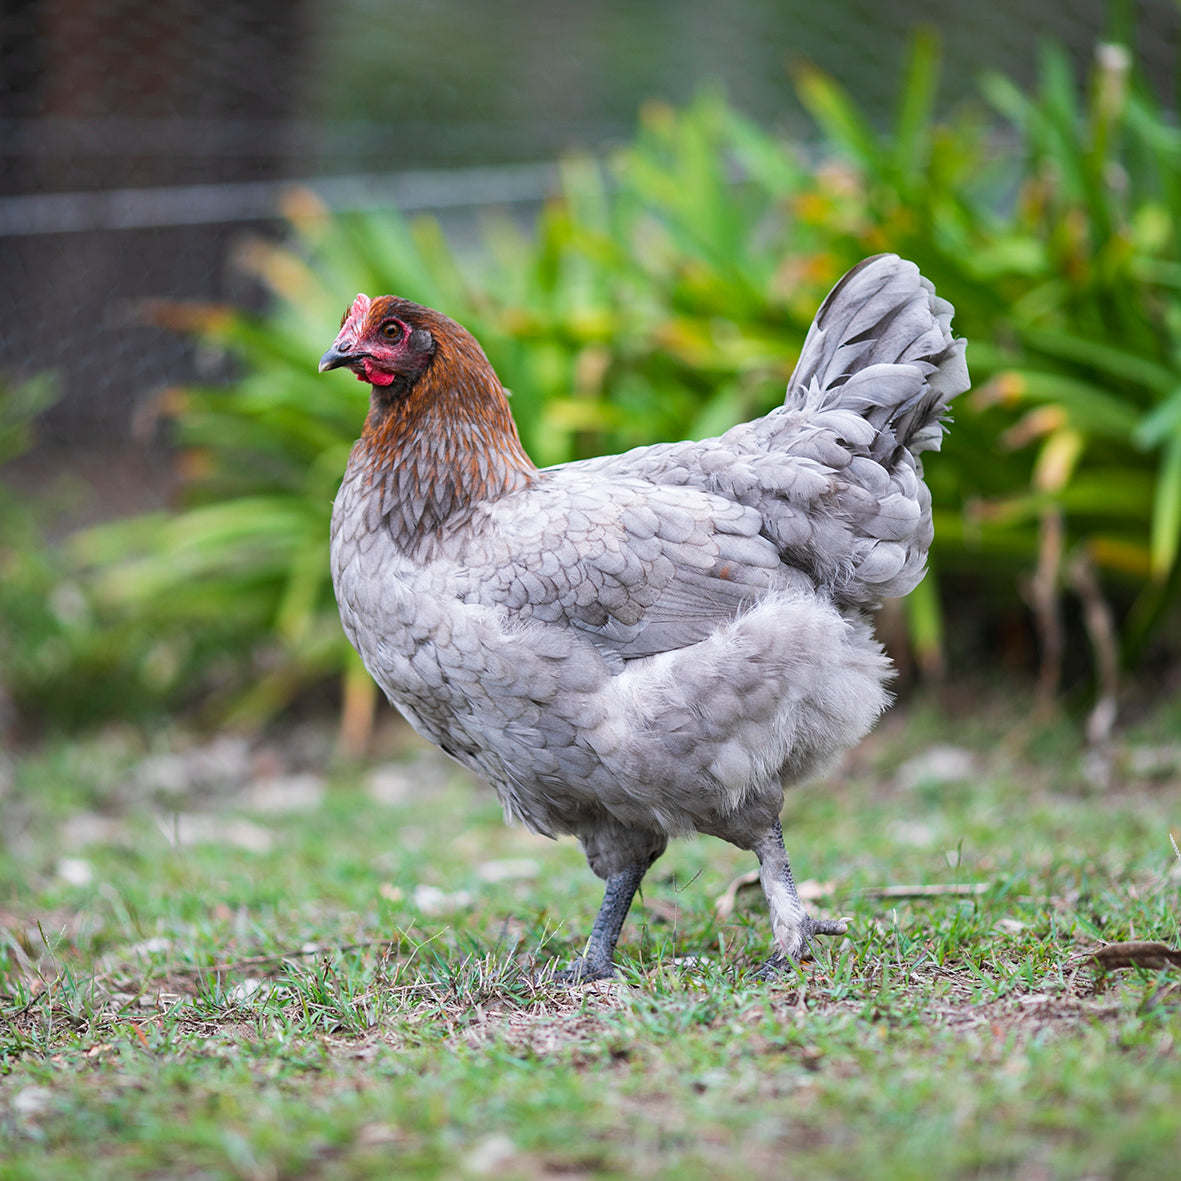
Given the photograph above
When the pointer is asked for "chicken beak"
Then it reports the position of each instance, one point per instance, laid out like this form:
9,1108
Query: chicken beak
335,357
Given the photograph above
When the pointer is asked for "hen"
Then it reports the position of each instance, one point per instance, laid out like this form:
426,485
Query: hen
650,644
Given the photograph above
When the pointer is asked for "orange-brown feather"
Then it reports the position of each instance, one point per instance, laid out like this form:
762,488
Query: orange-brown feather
446,442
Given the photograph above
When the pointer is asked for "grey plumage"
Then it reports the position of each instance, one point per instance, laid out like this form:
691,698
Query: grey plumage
649,644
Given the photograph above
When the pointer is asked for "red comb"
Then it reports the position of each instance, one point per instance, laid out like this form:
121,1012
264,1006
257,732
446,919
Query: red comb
360,308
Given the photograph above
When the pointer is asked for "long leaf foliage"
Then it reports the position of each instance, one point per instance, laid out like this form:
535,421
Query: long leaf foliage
664,294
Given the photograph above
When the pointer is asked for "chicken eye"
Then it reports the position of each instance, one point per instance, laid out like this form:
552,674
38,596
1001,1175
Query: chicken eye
392,330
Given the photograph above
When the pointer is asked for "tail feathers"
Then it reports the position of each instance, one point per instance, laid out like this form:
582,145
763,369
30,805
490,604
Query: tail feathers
881,346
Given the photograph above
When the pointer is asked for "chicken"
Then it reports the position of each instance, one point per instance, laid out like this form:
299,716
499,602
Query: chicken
651,644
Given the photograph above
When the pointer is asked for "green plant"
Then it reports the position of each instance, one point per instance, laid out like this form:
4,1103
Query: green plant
24,576
658,297
601,352
1068,295
52,654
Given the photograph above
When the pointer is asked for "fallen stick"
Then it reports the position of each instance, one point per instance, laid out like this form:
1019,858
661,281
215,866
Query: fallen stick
958,889
810,891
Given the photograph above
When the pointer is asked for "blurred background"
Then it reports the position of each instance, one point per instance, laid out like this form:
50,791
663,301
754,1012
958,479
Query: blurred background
637,209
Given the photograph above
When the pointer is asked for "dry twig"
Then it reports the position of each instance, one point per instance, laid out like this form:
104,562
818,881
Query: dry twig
810,891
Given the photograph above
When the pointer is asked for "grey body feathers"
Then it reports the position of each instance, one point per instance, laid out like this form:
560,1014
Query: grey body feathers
650,644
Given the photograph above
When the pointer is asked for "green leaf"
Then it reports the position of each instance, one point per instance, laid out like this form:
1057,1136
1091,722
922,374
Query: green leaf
912,126
765,159
1166,516
1159,423
1107,358
838,117
1008,98
924,617
1089,407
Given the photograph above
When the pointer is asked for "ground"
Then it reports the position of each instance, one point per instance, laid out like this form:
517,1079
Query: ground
233,957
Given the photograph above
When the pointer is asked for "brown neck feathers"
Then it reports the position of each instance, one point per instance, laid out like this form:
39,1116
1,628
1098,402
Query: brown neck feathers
435,449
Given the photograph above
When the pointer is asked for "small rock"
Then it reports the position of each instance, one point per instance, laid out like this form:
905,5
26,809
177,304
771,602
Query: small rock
916,833
185,829
508,869
242,992
217,767
1097,768
431,900
394,784
1155,762
939,764
490,1154
75,871
30,1102
377,1135
391,785
89,828
287,793
157,945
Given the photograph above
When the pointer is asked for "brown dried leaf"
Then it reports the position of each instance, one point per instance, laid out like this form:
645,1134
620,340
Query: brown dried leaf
1135,954
809,891
725,903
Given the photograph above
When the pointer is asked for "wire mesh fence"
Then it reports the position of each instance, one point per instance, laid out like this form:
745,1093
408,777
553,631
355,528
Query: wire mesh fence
142,140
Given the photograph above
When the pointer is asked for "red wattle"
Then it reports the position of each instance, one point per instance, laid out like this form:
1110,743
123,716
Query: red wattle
375,376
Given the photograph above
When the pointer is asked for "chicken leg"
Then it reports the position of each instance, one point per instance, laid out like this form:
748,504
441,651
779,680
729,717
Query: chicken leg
596,963
792,925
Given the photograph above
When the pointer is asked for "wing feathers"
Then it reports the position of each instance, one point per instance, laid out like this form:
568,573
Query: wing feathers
650,550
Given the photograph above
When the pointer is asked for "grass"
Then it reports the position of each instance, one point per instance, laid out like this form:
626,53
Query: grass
195,983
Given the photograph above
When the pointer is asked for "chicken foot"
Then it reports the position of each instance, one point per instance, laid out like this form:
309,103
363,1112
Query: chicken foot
596,963
794,928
